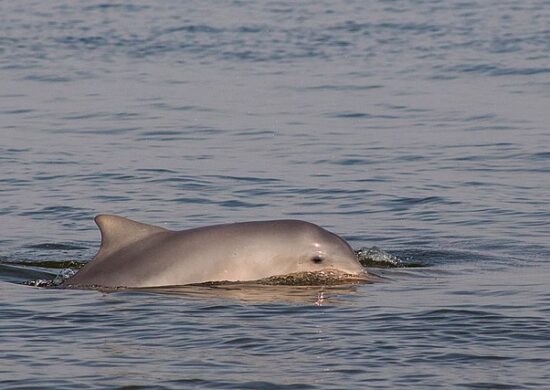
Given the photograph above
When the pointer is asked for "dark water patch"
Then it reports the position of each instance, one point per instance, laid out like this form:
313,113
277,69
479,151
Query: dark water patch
250,179
18,66
163,135
354,161
255,192
55,246
17,111
352,26
56,212
440,257
493,385
111,131
256,133
480,118
234,203
6,210
159,170
42,177
18,273
520,71
48,78
57,161
443,314
14,150
327,192
14,183
183,108
37,272
251,29
107,7
455,357
113,198
540,156
95,131
485,145
49,264
193,28
224,384
196,200
405,203
415,28
411,158
259,57
189,133
490,127
336,87
183,183
240,204
102,115
101,177
85,42
358,115
351,115
495,70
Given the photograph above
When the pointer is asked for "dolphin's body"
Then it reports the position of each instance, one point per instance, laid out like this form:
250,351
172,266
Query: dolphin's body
134,254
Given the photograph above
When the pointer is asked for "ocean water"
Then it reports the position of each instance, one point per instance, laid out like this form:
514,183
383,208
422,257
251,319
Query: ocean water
417,130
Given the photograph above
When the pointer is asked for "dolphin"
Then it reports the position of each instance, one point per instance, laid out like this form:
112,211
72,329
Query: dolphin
134,254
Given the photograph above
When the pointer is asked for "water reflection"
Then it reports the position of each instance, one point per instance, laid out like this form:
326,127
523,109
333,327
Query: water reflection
260,293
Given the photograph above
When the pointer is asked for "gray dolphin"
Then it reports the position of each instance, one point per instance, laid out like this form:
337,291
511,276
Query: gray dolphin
134,254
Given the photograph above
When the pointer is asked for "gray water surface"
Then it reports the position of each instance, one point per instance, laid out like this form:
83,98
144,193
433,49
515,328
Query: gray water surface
418,127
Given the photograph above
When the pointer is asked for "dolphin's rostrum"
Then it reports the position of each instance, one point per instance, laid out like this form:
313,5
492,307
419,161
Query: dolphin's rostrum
134,254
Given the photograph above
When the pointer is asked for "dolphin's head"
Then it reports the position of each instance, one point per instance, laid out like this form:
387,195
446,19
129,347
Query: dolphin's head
326,250
310,248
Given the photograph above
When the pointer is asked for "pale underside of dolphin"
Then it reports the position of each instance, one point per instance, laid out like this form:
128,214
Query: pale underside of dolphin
134,254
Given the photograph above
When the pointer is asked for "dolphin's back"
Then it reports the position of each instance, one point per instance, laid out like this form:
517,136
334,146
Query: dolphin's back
134,254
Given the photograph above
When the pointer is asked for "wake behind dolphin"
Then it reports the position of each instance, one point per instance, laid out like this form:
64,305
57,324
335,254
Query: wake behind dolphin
134,254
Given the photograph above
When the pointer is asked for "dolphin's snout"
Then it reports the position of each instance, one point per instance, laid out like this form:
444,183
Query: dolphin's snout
362,273
356,268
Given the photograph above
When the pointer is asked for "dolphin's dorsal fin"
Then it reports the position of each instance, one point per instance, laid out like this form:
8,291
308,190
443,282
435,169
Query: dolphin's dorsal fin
118,232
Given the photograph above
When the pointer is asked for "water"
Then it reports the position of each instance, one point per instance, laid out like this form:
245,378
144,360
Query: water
418,127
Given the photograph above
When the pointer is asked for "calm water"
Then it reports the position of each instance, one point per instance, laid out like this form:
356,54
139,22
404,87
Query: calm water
418,127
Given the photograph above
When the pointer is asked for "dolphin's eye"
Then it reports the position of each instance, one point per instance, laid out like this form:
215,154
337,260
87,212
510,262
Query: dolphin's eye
317,259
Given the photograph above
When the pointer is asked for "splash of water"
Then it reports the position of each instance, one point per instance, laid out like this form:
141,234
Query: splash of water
64,274
376,257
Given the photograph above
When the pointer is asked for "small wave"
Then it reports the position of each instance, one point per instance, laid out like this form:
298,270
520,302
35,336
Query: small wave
50,78
420,200
495,70
358,115
51,264
65,212
38,273
14,273
343,87
193,28
376,257
379,258
55,282
54,246
111,6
